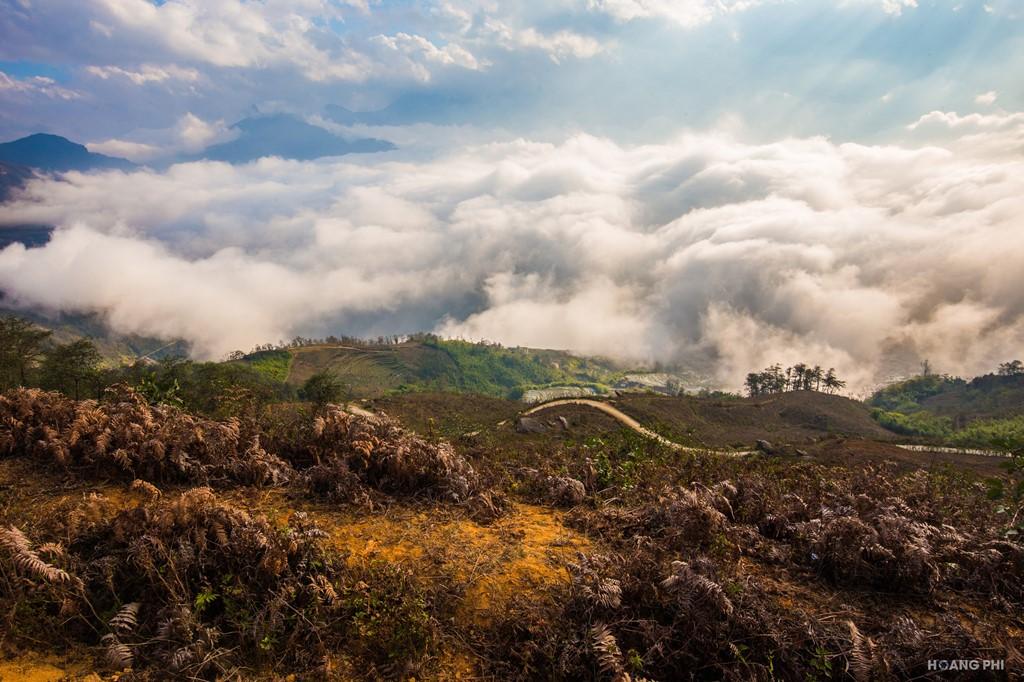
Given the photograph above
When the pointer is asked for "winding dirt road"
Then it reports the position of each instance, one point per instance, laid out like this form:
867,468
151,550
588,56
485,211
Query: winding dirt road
628,421
631,423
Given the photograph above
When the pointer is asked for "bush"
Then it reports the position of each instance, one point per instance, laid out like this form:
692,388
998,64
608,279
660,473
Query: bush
321,389
999,434
381,454
127,438
921,423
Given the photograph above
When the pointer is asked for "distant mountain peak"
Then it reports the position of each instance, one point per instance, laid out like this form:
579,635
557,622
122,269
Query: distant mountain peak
289,137
47,152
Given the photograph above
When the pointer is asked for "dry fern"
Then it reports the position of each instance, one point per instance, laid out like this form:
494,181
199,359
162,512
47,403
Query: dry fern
29,561
693,590
126,620
118,656
128,437
609,656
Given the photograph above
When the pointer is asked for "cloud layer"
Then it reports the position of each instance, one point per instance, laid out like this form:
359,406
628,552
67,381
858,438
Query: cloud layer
704,250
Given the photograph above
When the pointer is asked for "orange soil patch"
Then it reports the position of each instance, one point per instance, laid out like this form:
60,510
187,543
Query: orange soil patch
34,668
528,549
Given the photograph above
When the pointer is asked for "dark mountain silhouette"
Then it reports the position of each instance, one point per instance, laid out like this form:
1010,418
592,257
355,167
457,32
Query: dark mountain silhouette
288,137
57,154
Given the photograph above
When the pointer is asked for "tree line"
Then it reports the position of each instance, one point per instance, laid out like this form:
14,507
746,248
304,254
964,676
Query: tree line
30,357
332,340
355,342
799,377
1013,368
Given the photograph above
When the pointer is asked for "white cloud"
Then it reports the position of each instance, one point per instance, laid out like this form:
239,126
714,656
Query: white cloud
136,40
35,85
951,120
146,73
993,135
133,151
687,13
419,50
892,7
486,26
703,249
189,135
558,45
987,98
897,6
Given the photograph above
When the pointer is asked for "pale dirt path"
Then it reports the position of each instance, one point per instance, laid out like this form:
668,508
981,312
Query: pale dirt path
636,426
625,419
628,421
956,451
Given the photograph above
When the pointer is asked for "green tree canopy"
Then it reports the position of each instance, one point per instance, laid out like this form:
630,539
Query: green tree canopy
72,368
21,346
322,388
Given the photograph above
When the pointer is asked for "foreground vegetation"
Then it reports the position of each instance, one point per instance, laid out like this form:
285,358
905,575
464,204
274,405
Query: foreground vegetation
215,548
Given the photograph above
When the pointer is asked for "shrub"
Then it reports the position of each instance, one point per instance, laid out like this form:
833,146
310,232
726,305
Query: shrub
382,455
126,437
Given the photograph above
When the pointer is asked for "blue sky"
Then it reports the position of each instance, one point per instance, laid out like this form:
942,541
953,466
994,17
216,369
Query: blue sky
721,184
631,69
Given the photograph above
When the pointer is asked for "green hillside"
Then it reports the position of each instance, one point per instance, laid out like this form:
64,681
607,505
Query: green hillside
272,364
987,411
431,364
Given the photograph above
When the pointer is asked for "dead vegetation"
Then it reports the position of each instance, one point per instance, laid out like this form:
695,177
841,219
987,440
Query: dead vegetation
125,437
200,589
340,456
883,581
384,554
349,450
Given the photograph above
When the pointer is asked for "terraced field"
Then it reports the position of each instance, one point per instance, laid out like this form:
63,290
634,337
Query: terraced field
372,371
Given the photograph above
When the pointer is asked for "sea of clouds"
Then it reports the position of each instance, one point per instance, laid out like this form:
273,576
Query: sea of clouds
703,250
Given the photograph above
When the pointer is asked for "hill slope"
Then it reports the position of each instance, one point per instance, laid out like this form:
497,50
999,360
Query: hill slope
290,138
113,347
12,177
55,153
371,371
794,417
987,411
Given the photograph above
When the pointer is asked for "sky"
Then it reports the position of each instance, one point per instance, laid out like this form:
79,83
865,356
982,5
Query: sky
718,183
